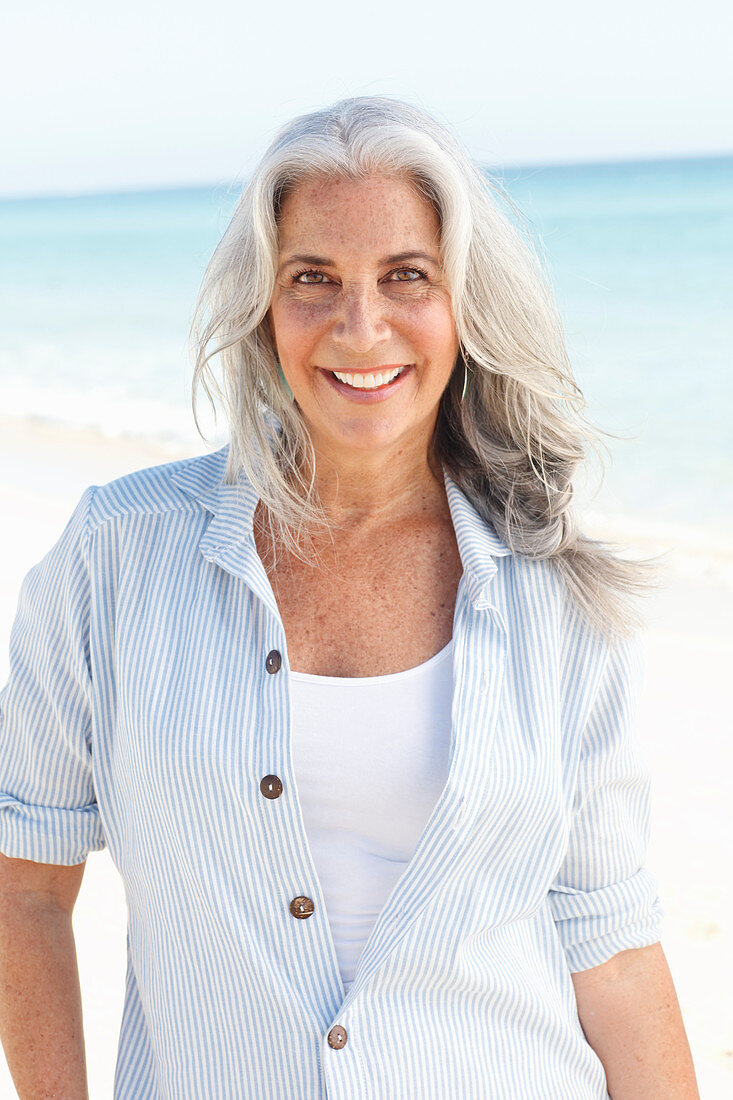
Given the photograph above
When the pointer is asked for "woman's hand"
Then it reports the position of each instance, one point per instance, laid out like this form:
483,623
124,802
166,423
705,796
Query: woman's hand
629,1012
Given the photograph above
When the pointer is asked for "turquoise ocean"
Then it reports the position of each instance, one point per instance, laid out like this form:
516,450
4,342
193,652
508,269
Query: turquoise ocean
96,294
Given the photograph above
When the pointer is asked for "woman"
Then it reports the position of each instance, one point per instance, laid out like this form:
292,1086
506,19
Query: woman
349,702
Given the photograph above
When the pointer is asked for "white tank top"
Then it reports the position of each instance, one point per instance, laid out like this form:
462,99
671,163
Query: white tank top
371,760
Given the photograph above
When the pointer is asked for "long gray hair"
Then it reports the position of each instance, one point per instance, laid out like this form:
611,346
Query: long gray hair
515,439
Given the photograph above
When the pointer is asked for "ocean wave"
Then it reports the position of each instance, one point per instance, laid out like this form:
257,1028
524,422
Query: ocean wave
111,412
684,551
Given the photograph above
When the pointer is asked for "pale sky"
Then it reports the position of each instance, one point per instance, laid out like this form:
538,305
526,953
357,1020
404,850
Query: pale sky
98,95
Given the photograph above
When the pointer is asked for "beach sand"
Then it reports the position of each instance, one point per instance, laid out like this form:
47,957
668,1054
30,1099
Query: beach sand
684,723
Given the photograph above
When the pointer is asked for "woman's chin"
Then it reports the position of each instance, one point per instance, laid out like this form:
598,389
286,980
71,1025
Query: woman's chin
359,440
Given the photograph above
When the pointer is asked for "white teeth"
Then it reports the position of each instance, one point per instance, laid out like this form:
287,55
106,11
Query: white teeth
368,381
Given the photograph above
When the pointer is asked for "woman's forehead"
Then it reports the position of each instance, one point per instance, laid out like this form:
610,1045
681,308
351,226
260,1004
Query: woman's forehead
378,208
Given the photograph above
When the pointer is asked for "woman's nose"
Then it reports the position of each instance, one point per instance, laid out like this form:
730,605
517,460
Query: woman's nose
360,323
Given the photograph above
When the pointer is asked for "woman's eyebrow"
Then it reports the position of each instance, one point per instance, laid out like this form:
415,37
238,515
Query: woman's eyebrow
322,261
302,258
403,257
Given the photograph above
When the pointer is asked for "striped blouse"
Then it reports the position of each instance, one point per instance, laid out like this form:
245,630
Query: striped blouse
148,710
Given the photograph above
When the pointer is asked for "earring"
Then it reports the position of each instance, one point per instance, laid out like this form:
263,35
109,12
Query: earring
465,378
284,381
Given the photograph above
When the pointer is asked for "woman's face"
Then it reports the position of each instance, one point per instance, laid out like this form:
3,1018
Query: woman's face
359,291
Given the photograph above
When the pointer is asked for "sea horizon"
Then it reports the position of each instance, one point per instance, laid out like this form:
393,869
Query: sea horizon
495,169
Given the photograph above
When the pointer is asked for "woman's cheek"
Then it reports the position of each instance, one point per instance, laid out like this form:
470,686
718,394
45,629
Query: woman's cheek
433,324
299,315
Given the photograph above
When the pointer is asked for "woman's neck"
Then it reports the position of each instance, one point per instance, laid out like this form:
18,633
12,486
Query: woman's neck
364,489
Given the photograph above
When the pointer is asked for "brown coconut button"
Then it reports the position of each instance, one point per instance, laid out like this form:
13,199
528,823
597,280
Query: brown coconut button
337,1037
273,661
271,786
301,907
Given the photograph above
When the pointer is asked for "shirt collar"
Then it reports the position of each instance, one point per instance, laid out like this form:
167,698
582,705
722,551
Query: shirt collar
233,508
478,544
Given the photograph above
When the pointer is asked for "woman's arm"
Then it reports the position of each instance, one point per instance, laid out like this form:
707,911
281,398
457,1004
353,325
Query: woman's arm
629,1012
40,1001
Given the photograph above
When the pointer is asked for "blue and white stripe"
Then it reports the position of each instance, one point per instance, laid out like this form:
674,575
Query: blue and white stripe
139,715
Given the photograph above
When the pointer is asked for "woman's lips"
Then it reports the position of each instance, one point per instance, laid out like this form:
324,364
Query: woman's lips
366,397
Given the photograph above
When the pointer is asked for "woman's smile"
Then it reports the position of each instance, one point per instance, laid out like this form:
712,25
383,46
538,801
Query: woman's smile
366,387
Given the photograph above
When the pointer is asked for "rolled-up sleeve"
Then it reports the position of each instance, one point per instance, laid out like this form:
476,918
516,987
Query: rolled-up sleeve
48,808
604,900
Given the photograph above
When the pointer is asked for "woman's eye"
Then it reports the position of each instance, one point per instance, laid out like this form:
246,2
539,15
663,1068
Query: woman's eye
408,275
309,278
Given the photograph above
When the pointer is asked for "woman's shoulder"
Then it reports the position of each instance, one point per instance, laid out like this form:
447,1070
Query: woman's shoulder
543,606
177,486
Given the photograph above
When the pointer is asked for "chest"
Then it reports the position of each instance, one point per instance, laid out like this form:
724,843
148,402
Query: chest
370,608
183,701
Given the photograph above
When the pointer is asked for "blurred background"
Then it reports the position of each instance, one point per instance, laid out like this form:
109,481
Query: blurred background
127,133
